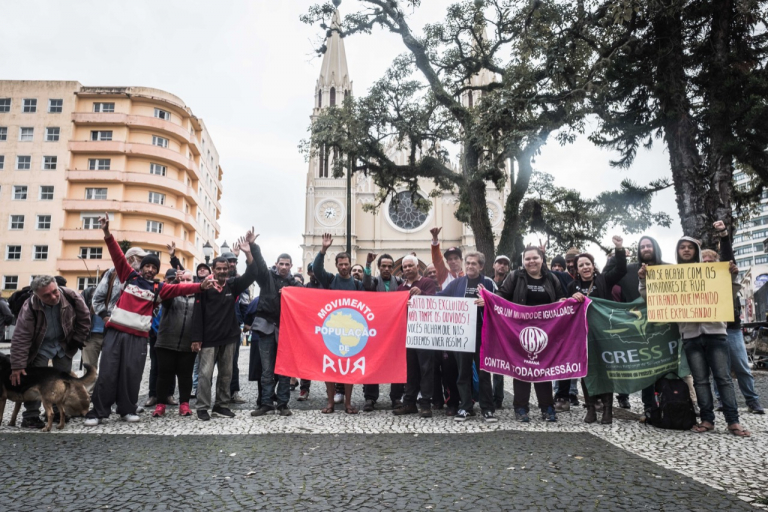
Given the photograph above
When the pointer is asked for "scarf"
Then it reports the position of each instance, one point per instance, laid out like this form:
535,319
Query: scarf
392,284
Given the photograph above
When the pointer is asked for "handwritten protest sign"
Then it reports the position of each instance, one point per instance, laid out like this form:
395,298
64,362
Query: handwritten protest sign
695,292
442,323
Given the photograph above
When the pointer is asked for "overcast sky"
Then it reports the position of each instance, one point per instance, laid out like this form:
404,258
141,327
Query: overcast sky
249,70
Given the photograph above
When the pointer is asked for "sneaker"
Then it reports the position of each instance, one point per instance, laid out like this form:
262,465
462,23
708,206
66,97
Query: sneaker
425,412
285,411
369,406
237,399
338,398
562,405
171,401
755,407
92,422
261,411
130,418
203,415
303,395
184,409
405,409
159,411
462,415
549,414
32,423
489,417
522,415
151,402
222,411
624,402
451,411
139,409
574,400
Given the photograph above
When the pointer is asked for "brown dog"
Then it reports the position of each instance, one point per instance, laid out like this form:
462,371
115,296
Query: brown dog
50,386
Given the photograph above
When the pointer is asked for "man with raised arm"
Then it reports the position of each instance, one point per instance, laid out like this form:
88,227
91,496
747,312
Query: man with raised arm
445,274
217,330
124,352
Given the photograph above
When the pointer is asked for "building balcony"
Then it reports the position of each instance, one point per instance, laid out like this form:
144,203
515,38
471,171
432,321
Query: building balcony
143,239
132,178
131,208
154,124
76,265
150,151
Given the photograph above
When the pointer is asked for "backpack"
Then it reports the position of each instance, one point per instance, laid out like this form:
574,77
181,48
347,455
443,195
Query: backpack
17,300
675,410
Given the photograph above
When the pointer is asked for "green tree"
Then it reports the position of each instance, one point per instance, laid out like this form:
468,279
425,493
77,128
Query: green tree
695,75
431,98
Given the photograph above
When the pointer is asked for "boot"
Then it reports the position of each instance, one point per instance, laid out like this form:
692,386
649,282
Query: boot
607,418
591,416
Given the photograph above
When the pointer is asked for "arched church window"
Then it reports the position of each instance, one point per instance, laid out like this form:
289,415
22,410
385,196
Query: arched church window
404,213
319,99
323,171
346,94
333,96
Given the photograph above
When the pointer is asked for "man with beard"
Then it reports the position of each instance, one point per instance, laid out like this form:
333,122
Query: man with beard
648,253
386,282
358,272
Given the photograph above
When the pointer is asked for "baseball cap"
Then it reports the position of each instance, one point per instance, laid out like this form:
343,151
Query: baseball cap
135,251
502,257
452,250
170,274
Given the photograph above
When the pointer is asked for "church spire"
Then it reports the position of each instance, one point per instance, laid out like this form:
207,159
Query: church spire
334,84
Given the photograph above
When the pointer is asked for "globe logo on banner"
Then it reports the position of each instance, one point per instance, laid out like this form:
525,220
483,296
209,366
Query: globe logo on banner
533,340
345,332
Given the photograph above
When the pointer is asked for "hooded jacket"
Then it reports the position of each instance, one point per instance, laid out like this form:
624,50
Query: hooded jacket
630,282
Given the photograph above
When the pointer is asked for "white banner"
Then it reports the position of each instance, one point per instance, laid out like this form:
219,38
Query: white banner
442,323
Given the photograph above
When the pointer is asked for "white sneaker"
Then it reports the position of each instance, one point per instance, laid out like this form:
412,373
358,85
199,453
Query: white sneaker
91,422
338,398
131,418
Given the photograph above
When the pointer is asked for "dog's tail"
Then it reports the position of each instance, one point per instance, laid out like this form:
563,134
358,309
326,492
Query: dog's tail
90,375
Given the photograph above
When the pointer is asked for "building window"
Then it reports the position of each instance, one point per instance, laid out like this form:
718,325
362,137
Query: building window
91,253
99,164
157,169
19,192
5,105
17,222
50,162
157,198
91,222
159,141
319,99
52,134
23,163
13,252
103,107
739,176
2,162
85,282
26,134
44,222
333,96
162,114
759,260
41,252
101,135
55,106
154,226
10,282
3,133
30,106
95,193
46,192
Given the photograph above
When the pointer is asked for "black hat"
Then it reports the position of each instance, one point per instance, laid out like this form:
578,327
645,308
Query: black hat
309,267
203,265
558,260
60,281
452,250
150,259
170,274
229,256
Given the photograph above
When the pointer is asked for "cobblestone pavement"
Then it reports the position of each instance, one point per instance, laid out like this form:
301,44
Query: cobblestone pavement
732,469
492,471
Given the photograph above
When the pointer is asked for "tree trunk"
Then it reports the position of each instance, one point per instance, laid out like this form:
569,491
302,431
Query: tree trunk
474,197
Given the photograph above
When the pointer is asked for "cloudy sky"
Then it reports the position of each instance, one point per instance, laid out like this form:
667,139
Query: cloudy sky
249,70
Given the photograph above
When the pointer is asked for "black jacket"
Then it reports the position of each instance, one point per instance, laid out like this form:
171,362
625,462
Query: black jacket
270,283
175,331
515,288
603,282
630,282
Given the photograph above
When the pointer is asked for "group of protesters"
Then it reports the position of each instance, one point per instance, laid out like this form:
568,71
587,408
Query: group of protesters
197,327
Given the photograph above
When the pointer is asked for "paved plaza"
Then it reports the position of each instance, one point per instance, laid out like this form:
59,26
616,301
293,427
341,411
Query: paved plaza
313,461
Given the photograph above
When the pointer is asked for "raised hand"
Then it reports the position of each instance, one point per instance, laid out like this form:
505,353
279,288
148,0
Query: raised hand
251,236
618,242
370,259
327,241
720,228
171,248
244,245
104,223
236,248
543,246
435,232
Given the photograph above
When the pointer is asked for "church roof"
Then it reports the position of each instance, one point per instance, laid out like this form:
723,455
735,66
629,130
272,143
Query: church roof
334,70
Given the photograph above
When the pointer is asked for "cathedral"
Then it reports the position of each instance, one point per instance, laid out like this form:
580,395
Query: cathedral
397,228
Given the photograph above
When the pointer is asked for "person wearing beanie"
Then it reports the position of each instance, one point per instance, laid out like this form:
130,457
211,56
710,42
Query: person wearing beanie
558,263
150,259
124,352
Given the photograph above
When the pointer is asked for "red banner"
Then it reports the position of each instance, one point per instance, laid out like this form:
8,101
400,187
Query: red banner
344,337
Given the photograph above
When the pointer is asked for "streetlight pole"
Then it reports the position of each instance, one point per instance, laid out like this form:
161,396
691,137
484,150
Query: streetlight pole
350,170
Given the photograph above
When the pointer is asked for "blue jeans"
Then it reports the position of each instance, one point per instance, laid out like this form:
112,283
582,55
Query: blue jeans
195,371
268,353
709,353
737,352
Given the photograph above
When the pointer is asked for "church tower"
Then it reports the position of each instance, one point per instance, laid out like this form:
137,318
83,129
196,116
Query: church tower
326,196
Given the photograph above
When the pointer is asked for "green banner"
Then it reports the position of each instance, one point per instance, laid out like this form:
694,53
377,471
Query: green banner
626,352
